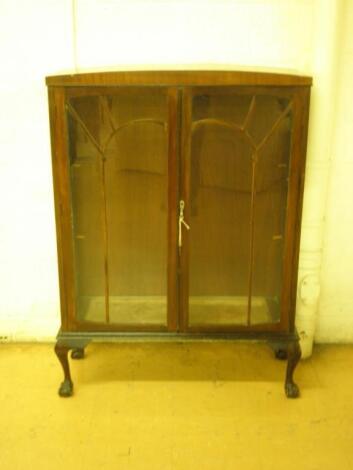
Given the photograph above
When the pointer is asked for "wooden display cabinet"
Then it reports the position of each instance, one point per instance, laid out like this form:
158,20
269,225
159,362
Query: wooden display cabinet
178,200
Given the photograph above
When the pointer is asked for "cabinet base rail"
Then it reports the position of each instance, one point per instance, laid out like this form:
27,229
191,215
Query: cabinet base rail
285,347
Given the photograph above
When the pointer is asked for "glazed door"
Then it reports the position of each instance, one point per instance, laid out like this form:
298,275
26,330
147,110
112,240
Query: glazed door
122,169
178,204
235,173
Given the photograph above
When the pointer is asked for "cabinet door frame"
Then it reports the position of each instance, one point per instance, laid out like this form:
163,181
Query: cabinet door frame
300,103
58,97
179,125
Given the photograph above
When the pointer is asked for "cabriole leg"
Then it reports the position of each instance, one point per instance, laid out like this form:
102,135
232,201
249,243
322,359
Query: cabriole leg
66,387
294,355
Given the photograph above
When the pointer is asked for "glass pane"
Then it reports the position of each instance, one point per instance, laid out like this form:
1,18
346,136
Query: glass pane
220,212
123,204
238,202
270,204
87,221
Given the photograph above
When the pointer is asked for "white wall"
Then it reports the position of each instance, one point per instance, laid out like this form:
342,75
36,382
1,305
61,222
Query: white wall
35,39
335,315
43,37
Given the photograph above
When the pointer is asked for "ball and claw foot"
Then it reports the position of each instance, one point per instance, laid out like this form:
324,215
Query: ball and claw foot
66,388
292,390
78,353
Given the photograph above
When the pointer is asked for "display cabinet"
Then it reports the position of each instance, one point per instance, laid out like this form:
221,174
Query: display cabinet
178,200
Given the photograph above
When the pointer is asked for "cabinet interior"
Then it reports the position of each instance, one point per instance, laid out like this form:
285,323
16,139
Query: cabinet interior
233,168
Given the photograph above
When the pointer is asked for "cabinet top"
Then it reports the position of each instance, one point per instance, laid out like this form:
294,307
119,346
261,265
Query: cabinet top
179,78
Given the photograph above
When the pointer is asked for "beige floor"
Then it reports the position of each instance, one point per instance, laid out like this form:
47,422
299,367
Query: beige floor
175,406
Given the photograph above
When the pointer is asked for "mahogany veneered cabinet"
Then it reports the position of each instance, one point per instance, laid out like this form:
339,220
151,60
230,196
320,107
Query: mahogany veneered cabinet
178,201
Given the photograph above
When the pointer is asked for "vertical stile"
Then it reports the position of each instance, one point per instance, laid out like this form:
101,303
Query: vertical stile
185,162
173,188
252,210
105,235
105,218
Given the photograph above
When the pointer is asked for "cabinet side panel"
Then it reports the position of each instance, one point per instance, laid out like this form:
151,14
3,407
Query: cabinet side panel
61,196
295,201
303,118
